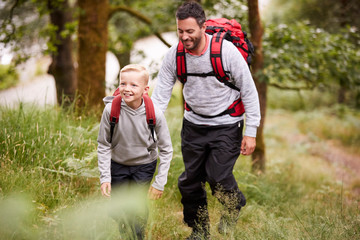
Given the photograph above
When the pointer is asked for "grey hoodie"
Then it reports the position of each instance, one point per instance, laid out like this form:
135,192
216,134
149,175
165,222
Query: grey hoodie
132,143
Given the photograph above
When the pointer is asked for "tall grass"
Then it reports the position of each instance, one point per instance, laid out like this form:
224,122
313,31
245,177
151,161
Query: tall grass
49,182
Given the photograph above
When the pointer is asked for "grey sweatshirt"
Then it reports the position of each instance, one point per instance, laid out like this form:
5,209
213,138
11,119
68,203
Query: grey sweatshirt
132,143
208,96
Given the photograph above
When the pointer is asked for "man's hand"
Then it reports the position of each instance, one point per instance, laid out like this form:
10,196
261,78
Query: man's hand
248,145
106,189
154,193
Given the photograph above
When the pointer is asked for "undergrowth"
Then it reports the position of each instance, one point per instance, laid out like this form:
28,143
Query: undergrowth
49,186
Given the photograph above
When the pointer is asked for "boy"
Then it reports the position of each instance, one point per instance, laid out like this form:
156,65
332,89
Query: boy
131,156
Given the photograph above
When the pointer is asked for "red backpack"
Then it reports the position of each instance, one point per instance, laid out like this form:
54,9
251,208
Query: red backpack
116,107
220,28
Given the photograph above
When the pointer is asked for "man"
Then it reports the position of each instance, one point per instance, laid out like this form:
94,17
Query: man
211,140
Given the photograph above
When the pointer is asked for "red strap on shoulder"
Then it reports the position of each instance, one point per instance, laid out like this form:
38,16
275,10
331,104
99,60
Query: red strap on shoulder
181,63
115,109
117,92
215,56
150,111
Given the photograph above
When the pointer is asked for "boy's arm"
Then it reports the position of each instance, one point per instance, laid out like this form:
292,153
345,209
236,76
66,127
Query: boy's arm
165,151
104,147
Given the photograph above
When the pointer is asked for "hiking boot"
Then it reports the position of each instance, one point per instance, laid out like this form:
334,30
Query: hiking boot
196,235
225,226
228,222
202,233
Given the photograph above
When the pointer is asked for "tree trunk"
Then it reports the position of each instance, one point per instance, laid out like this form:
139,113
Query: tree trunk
257,31
92,37
62,65
343,23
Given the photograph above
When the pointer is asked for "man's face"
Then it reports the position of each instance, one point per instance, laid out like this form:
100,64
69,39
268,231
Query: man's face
190,33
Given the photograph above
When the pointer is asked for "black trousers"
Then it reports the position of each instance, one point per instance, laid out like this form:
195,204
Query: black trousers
209,154
131,221
141,174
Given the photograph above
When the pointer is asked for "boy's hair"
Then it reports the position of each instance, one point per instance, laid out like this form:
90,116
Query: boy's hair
136,68
191,9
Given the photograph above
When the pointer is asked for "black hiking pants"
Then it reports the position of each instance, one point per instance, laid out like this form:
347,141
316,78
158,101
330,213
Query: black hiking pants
209,154
124,179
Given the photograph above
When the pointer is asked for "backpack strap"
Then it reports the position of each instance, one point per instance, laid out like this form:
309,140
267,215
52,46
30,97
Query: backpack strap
114,114
216,60
181,63
150,114
235,109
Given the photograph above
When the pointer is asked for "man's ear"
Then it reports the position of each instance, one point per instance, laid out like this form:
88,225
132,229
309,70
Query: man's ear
203,27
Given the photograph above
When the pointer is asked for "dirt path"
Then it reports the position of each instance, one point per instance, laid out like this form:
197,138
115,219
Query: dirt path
345,163
40,91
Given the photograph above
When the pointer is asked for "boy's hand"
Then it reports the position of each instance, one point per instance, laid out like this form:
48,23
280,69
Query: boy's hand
106,189
154,193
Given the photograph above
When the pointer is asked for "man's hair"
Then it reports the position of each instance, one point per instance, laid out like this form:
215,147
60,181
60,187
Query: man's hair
136,68
191,9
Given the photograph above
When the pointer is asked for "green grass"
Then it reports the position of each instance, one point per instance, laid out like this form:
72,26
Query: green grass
49,180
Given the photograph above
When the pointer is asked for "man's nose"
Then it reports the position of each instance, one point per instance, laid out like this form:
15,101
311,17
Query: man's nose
184,36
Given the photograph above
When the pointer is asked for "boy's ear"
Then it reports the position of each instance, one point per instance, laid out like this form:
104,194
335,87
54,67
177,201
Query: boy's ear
146,90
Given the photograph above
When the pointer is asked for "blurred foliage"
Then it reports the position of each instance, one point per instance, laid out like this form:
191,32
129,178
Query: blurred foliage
330,15
22,24
8,76
26,28
125,29
236,9
299,56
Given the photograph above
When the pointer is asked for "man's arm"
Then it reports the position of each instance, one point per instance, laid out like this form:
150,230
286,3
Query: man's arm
165,81
243,80
165,151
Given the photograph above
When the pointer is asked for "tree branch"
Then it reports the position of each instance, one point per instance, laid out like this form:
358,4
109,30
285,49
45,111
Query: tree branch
139,16
291,88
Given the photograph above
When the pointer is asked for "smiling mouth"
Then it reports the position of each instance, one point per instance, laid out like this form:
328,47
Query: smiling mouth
127,95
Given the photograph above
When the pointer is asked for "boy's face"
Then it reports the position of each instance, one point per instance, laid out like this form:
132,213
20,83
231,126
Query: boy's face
190,33
132,87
